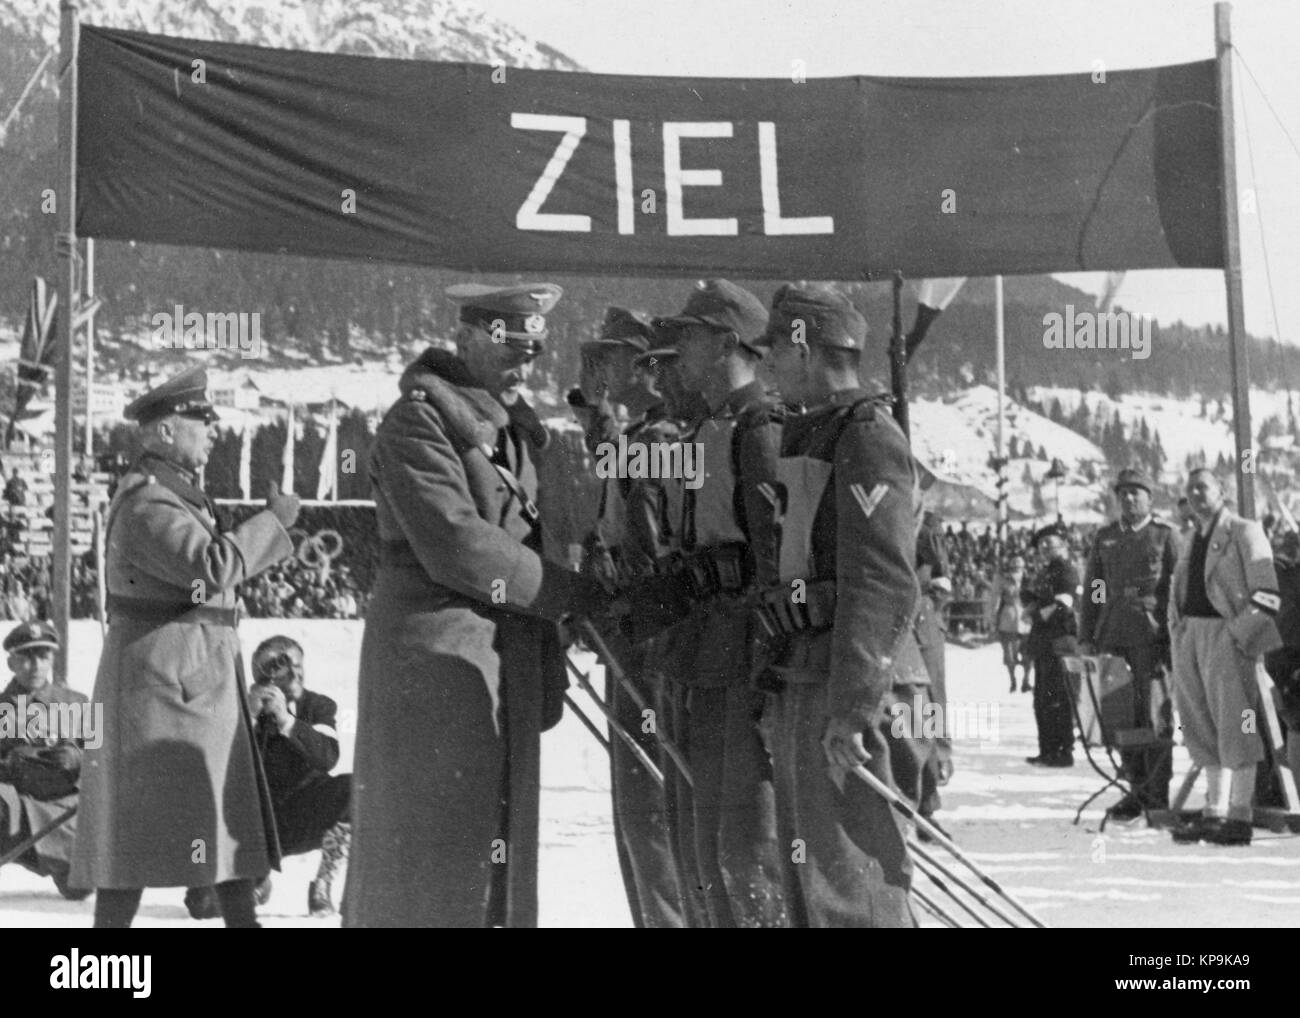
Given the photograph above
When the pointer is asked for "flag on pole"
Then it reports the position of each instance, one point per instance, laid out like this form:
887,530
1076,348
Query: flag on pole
36,353
328,485
932,297
286,472
246,461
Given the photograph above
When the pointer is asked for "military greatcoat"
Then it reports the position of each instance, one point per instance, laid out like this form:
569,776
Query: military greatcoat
460,646
174,796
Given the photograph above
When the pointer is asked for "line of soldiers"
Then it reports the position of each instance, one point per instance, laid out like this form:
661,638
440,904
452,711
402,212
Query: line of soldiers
773,613
763,601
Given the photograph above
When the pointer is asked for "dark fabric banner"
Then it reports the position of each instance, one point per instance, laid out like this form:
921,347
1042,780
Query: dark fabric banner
229,146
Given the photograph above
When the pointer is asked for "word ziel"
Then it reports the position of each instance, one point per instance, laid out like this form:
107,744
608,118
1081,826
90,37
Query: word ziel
677,179
1098,330
37,721
179,330
653,460
102,972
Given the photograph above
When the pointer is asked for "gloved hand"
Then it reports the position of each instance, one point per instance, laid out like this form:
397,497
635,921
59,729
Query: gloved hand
285,507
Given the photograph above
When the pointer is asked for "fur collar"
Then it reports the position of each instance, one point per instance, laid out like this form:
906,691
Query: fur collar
471,411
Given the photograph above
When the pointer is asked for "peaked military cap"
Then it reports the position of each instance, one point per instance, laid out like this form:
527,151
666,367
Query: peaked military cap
817,315
185,394
1051,530
30,635
624,329
516,313
1131,477
723,305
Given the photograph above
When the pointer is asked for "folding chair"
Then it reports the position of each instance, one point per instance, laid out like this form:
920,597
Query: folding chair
1103,700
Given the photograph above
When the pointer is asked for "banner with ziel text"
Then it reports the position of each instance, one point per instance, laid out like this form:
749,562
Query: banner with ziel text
497,169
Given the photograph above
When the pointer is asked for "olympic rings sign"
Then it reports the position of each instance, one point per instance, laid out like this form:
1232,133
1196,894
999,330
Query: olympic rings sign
319,550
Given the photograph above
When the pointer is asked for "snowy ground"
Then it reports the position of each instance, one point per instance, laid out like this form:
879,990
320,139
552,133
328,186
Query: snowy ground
1013,819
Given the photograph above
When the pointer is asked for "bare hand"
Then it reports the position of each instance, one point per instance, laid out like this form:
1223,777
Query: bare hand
843,744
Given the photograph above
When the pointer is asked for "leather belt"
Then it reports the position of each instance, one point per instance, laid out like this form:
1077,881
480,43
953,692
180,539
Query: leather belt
780,614
141,609
710,572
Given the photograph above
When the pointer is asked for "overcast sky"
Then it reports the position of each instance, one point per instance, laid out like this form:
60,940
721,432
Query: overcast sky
927,38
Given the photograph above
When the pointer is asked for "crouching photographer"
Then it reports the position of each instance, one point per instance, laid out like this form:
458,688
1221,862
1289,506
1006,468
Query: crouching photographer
296,734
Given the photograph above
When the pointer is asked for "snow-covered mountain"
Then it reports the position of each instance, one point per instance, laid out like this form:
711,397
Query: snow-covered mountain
409,29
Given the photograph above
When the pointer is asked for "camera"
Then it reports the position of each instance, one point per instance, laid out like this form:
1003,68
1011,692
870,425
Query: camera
274,666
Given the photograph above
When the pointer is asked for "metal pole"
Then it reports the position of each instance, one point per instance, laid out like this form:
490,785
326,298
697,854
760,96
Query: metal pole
66,247
1232,264
89,445
898,360
1002,411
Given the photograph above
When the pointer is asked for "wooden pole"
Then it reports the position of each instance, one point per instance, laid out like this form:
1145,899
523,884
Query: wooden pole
898,360
66,246
1232,266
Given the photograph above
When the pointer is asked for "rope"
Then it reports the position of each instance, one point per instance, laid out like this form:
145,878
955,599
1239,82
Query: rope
1279,360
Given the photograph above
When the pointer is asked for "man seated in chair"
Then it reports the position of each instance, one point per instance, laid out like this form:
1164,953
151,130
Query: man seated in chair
41,736
296,734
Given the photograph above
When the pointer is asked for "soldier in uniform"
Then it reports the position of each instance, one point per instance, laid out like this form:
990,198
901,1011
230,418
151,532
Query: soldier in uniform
1125,603
39,765
619,398
932,571
175,796
844,607
461,662
728,545
1051,598
662,626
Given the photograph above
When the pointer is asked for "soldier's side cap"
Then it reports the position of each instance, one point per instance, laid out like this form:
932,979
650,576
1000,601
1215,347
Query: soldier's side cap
1051,530
1130,477
624,329
517,313
722,304
185,394
30,635
828,317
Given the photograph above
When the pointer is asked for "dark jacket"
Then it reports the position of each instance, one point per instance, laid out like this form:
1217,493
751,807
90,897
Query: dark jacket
307,754
1130,604
850,493
1055,586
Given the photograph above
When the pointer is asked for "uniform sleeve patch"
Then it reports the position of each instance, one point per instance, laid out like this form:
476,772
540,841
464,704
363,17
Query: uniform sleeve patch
867,503
1267,601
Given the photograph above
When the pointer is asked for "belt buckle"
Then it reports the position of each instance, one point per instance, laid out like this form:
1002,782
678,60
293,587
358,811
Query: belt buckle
528,510
730,575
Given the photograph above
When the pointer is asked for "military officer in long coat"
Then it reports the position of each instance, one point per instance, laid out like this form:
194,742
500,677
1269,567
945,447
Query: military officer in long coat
845,604
175,795
1125,610
461,666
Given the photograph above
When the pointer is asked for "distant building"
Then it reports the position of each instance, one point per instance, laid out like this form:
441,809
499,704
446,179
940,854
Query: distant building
235,392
